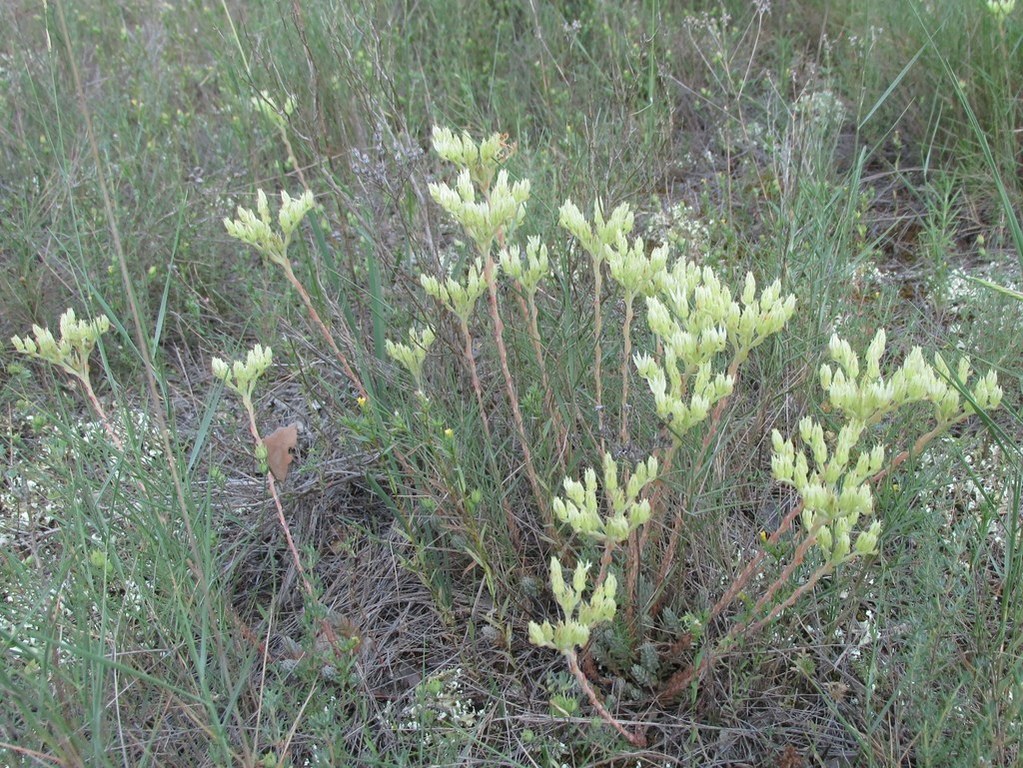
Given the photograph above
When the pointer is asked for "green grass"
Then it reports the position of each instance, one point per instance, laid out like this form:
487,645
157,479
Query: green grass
864,153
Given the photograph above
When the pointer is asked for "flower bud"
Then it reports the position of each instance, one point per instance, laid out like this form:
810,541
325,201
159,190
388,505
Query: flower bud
557,578
749,289
579,577
572,219
866,542
220,369
616,529
840,549
541,634
639,514
825,541
572,635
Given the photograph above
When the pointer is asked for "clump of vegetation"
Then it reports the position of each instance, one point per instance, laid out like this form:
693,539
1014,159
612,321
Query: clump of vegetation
666,475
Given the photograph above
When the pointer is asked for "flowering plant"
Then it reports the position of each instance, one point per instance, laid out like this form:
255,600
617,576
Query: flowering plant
698,335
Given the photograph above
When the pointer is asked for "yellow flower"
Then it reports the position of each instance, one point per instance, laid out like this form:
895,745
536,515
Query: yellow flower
449,433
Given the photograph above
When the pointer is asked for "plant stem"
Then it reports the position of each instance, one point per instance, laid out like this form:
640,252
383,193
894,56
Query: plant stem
324,331
598,354
513,399
291,157
668,561
678,682
254,430
98,408
509,517
529,311
797,559
917,447
605,563
816,576
753,566
655,498
632,562
635,738
470,362
689,674
326,629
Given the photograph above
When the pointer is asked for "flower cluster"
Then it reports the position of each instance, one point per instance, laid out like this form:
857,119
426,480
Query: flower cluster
241,377
580,615
71,352
1000,9
256,227
835,495
637,273
751,323
527,271
413,354
503,205
501,209
606,240
604,234
867,396
458,297
695,318
835,489
480,160
581,510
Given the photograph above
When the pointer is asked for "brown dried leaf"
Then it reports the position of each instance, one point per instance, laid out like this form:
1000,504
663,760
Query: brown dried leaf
790,758
278,449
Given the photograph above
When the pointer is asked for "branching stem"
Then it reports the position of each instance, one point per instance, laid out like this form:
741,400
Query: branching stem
668,561
678,682
626,363
98,407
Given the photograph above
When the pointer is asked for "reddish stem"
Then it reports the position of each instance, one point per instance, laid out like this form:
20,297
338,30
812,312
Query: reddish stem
681,679
529,312
668,561
98,408
753,566
513,400
327,629
626,362
816,576
325,332
598,348
635,738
